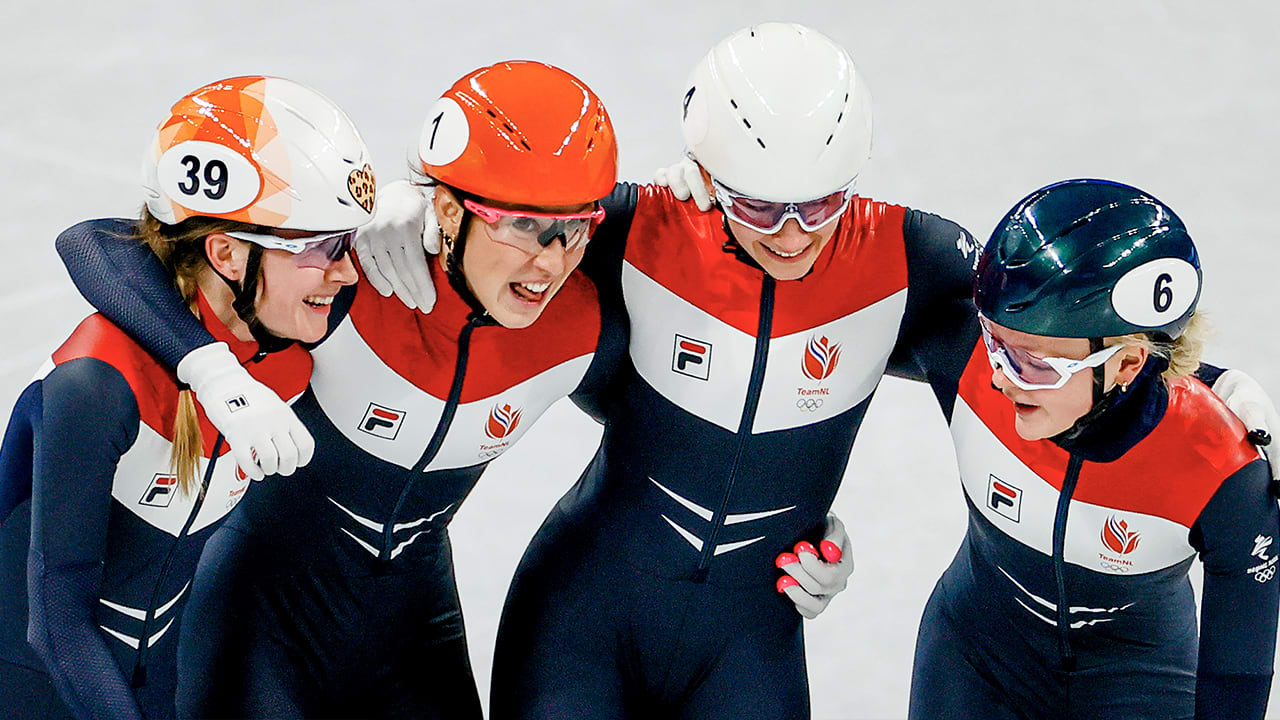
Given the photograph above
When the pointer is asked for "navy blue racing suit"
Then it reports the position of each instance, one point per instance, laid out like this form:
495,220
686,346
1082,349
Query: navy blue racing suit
1069,595
650,587
96,566
331,593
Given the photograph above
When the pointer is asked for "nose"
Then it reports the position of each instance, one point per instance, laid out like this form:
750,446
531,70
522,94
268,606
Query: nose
551,259
999,379
342,272
790,235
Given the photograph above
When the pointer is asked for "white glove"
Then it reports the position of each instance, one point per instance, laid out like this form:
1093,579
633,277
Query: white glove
685,180
265,437
811,582
391,245
1246,398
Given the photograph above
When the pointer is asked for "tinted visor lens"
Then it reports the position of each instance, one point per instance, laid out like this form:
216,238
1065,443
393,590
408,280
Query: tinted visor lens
768,217
325,251
1025,370
531,231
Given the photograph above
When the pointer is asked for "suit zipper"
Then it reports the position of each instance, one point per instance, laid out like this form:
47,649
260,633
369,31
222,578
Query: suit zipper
763,329
144,641
1074,464
437,438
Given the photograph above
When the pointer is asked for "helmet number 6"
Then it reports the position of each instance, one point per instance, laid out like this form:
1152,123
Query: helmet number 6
1163,297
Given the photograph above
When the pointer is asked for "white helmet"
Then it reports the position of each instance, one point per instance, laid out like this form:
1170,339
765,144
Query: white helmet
778,112
259,150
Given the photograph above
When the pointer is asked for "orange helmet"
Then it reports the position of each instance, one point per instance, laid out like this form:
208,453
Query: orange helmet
524,133
260,150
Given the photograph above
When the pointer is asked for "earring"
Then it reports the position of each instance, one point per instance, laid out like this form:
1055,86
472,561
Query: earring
447,239
1124,387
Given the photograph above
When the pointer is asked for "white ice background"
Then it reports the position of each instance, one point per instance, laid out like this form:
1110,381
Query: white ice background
977,103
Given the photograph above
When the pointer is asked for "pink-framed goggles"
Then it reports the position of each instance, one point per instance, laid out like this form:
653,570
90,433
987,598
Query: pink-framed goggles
309,251
533,231
1032,372
768,217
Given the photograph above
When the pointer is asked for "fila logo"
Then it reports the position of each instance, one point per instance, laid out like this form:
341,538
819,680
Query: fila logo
692,357
383,422
159,492
502,421
1004,498
820,358
1117,537
237,403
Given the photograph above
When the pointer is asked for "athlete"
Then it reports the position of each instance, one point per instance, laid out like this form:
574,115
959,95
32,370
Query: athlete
254,187
739,367
1095,469
332,595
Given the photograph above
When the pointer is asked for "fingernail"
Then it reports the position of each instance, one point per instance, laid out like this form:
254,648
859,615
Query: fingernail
830,551
806,547
786,559
785,582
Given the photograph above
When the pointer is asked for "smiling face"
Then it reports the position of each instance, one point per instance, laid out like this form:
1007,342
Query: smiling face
1040,414
513,285
292,302
295,302
788,254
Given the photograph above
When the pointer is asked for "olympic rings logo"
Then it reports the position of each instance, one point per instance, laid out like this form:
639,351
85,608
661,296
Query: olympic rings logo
1265,574
1112,567
809,404
488,454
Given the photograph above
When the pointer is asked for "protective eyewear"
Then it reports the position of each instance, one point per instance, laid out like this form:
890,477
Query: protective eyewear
768,217
1031,372
533,231
311,251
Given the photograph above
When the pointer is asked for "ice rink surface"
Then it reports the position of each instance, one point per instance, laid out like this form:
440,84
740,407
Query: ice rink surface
977,104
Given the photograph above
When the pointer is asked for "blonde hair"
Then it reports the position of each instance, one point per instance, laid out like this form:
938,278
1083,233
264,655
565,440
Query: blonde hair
1183,354
180,248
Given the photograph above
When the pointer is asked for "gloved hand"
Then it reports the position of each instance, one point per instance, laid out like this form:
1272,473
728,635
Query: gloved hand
685,180
264,435
391,245
811,582
1246,398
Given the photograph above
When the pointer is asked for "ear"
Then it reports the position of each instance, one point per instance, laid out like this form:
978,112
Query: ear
1129,363
449,210
227,255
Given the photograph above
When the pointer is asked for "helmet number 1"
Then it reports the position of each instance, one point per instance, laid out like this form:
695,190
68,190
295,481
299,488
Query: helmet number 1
1163,297
215,177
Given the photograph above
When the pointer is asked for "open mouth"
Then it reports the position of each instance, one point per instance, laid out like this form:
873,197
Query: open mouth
318,302
530,292
785,255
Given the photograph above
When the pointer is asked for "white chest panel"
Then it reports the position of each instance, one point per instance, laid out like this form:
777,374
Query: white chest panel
390,418
146,486
1022,505
703,364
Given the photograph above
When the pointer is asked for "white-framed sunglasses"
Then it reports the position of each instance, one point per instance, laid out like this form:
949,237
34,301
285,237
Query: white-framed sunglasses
1031,372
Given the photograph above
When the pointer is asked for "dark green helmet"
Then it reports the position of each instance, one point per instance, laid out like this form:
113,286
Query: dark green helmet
1090,259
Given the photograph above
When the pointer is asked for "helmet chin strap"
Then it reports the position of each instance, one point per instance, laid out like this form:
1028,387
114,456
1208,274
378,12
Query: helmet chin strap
453,249
1103,399
244,296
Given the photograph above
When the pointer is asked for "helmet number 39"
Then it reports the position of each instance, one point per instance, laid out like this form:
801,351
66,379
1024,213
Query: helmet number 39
1156,292
215,177
208,178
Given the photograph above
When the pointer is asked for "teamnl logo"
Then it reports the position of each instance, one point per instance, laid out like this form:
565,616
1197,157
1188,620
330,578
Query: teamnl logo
691,357
503,421
1118,540
818,362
